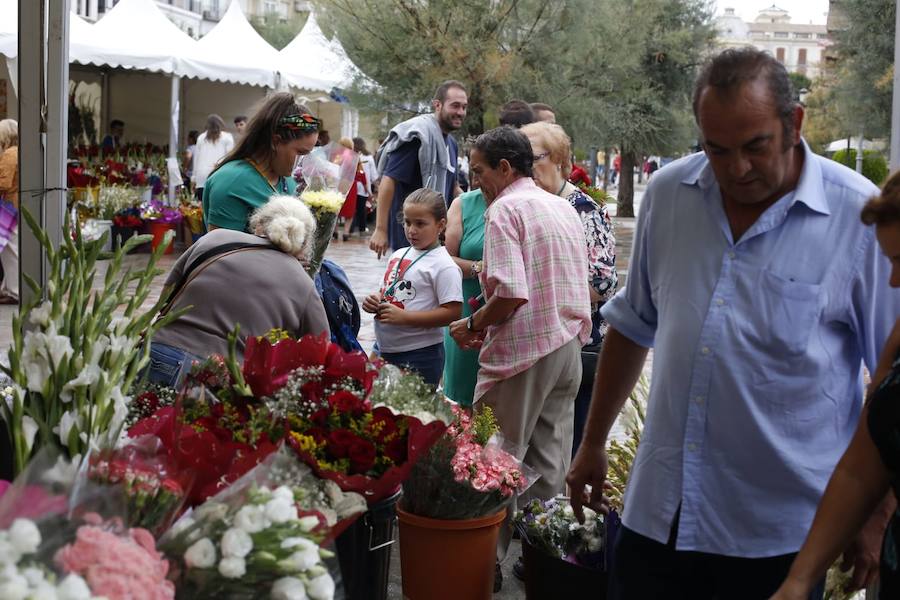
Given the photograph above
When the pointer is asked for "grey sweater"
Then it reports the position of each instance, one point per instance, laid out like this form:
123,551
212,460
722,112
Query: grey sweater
434,157
260,289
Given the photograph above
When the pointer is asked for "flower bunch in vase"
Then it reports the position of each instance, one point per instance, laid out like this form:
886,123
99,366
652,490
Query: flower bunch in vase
550,526
470,472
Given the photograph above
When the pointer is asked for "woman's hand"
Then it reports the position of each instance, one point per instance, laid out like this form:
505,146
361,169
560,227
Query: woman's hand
371,303
790,590
391,314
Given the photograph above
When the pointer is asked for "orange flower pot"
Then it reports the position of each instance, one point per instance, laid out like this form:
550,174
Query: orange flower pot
158,230
448,560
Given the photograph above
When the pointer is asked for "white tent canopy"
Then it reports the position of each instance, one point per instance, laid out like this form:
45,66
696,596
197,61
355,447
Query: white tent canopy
319,57
233,41
79,29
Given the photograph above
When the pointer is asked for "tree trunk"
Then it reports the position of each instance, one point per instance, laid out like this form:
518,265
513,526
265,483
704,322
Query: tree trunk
626,185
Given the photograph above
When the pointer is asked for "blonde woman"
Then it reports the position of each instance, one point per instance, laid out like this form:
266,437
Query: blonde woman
265,265
9,210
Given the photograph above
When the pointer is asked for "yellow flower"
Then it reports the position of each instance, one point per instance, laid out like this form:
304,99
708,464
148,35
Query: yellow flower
306,443
324,200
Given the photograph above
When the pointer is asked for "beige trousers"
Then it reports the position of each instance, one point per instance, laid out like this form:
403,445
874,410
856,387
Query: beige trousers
536,410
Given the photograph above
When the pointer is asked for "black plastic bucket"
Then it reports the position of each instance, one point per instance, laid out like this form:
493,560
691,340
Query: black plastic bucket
364,551
551,578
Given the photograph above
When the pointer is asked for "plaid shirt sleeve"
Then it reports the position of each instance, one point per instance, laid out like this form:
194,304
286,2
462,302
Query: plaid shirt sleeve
504,273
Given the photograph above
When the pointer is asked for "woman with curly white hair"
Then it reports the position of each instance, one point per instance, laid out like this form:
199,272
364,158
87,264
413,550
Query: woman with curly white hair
230,277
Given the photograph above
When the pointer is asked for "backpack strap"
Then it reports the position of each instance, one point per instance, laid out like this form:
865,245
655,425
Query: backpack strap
204,260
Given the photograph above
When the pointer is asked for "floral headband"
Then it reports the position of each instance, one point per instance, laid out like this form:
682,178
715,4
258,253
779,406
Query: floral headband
304,122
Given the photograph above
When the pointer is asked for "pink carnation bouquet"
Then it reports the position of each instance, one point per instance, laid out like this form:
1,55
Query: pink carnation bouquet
470,472
117,563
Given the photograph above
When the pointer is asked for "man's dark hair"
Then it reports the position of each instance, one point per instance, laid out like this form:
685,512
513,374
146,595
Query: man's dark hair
536,106
440,94
240,118
732,68
116,123
516,113
506,143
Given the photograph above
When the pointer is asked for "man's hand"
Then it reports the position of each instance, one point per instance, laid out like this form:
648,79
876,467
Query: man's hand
864,552
378,243
465,339
371,303
388,313
588,468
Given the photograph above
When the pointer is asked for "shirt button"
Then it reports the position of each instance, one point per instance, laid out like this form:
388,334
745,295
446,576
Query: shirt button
705,350
719,301
699,399
731,255
692,447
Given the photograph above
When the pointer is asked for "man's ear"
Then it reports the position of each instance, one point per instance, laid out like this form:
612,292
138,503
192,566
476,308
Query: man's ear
436,105
504,167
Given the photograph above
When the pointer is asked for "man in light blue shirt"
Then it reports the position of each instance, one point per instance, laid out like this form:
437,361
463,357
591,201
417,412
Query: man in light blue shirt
762,295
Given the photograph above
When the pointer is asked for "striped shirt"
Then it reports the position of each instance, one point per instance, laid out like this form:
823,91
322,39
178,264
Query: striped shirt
534,250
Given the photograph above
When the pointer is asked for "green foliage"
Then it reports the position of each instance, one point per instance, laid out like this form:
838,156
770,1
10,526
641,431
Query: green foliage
874,167
865,50
800,82
277,32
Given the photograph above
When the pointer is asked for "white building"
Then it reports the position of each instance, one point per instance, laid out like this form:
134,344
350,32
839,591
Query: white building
198,17
800,47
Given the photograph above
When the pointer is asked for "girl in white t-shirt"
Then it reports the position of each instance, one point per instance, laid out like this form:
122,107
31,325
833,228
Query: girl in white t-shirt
421,291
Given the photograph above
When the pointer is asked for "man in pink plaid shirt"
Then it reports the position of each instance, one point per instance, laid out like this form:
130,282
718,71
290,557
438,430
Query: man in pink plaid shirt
537,315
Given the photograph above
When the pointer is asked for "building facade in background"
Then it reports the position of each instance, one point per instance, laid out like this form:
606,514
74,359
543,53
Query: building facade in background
197,17
799,47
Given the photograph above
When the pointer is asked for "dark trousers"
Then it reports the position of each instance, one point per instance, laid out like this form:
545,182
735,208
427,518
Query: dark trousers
362,211
427,362
589,356
646,569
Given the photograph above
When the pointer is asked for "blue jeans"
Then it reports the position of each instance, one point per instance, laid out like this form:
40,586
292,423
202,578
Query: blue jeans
427,362
169,365
589,356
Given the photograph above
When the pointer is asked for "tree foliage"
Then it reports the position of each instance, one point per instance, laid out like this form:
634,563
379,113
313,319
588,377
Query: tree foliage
862,87
276,31
617,72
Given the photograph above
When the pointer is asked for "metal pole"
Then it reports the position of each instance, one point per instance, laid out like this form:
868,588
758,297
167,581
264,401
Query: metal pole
175,108
57,118
859,151
31,140
895,114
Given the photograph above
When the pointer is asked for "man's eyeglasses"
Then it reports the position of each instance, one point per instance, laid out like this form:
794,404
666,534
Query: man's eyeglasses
540,157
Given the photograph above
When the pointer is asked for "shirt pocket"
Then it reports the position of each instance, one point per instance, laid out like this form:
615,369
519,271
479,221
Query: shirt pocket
787,311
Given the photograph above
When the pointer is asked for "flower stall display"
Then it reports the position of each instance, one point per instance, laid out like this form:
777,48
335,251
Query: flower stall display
159,218
73,369
453,504
564,558
324,178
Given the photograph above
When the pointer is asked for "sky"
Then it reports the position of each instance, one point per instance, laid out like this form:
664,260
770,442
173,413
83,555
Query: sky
802,11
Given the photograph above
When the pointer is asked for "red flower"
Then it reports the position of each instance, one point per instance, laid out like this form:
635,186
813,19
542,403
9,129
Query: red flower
384,424
320,417
340,441
362,456
346,403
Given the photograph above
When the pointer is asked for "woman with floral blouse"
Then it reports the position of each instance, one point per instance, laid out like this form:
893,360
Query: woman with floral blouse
552,164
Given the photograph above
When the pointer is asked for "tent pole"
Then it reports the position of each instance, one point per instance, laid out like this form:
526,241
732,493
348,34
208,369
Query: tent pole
174,110
31,141
57,118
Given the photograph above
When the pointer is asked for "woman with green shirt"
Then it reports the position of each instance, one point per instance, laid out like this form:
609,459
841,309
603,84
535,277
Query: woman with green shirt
261,164
465,243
